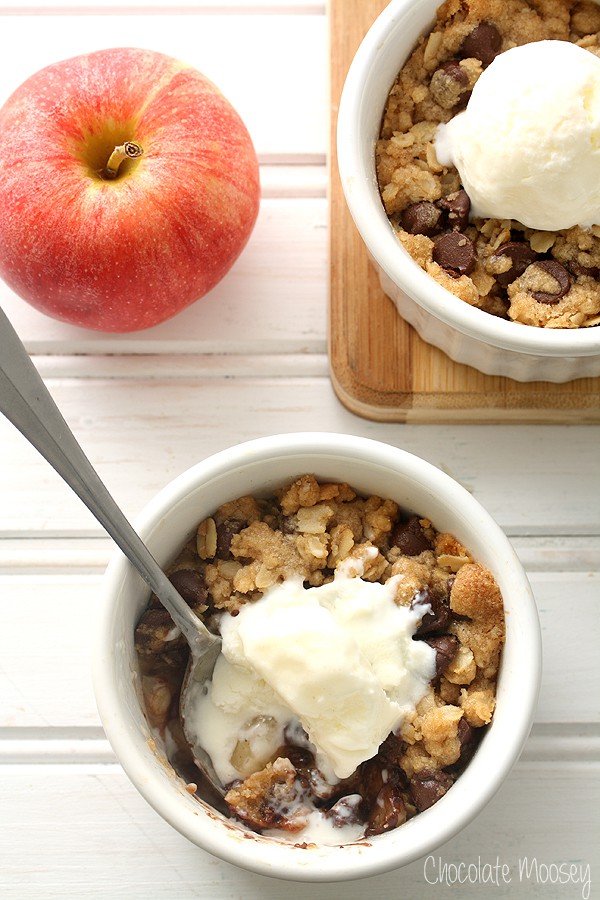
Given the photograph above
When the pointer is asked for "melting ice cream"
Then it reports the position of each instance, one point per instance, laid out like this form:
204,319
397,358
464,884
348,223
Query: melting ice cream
527,147
337,659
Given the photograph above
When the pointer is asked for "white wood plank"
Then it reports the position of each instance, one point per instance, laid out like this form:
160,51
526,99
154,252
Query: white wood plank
562,553
107,842
263,305
55,556
45,651
552,743
142,436
64,555
45,680
280,99
184,367
299,180
31,746
570,638
206,7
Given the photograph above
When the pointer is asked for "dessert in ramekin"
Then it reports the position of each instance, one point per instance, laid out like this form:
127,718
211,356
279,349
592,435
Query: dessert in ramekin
259,469
468,334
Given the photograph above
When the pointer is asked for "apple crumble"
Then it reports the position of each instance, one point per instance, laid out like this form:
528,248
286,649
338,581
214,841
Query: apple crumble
312,532
542,278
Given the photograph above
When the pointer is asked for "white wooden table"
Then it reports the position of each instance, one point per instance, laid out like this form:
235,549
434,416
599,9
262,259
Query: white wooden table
250,360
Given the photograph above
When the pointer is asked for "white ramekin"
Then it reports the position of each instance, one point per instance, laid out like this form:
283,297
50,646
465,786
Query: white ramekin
257,467
467,334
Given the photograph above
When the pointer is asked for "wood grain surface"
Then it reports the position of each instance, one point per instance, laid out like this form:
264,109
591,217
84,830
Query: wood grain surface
380,368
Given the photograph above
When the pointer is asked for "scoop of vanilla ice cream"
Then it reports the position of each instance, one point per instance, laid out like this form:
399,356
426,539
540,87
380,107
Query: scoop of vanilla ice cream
339,658
527,146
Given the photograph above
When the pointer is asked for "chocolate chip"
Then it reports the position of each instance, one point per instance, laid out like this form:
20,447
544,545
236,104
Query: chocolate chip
466,733
374,774
560,275
483,43
153,631
453,69
449,85
300,757
387,812
391,749
455,253
287,524
190,585
225,531
469,740
371,780
345,812
445,646
421,217
302,760
410,537
427,787
157,618
521,255
576,269
457,207
437,619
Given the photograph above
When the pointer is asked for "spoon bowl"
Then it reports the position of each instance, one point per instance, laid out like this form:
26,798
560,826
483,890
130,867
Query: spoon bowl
27,403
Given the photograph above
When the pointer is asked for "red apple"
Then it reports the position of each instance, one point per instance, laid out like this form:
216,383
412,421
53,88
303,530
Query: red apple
126,247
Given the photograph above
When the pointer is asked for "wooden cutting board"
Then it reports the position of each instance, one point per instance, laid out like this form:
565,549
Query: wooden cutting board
380,368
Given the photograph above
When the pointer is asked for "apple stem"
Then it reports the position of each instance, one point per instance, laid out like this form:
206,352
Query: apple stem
128,150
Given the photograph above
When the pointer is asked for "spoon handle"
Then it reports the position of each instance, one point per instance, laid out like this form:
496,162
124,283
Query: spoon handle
26,402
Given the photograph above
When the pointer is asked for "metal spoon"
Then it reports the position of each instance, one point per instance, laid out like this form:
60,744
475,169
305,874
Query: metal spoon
26,402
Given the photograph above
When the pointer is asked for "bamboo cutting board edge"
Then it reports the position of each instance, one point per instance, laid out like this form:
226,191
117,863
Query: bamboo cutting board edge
380,368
